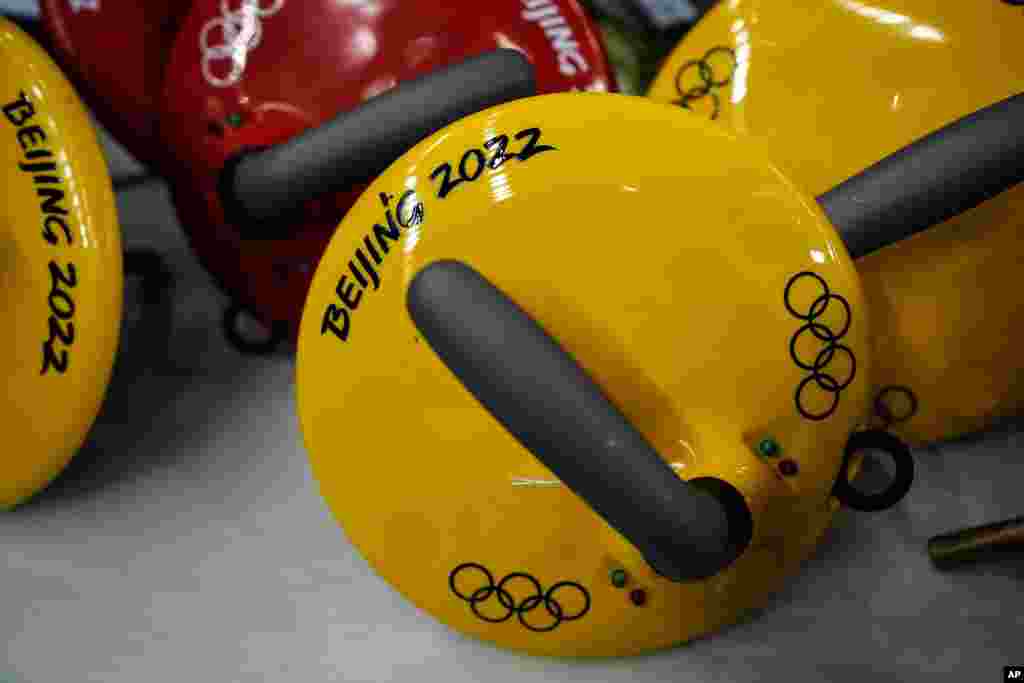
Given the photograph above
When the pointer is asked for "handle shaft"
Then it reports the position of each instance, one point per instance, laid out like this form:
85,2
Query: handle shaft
264,187
931,180
537,391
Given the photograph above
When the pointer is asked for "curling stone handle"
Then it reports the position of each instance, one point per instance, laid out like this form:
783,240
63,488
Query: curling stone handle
541,395
931,180
260,189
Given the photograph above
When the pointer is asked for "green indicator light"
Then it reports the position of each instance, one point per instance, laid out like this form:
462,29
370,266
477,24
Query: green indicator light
619,578
234,120
768,447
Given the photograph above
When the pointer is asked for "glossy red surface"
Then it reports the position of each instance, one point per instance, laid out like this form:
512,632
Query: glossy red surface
115,52
238,80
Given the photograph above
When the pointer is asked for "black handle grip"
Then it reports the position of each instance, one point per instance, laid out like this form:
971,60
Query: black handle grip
260,189
540,394
931,180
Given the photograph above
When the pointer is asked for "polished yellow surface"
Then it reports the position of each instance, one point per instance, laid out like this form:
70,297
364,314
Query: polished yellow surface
62,289
659,256
828,88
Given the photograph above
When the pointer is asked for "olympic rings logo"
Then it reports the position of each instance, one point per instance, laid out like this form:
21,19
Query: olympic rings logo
698,79
240,32
556,614
825,381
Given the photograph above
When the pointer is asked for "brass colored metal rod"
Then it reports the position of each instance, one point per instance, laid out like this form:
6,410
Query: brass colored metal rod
970,544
